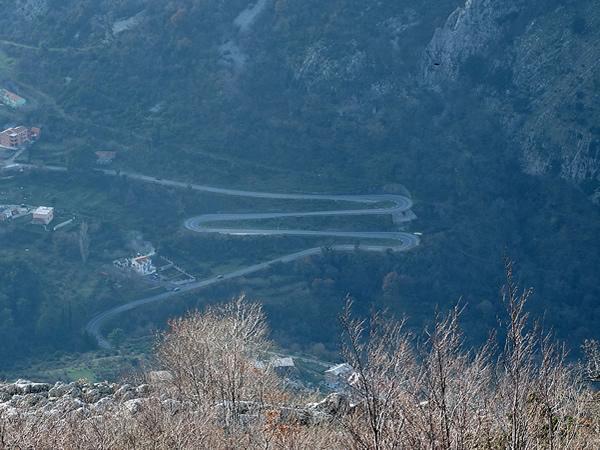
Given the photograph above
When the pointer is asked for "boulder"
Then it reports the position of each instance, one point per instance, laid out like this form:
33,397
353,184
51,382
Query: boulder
91,395
67,404
173,406
104,404
12,389
143,389
35,388
105,388
123,392
73,389
134,406
335,404
58,390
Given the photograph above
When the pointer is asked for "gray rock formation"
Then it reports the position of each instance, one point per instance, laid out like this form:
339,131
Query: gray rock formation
469,30
547,55
335,404
81,400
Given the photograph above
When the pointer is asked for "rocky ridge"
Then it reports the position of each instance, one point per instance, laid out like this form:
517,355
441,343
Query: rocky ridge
78,400
538,71
469,30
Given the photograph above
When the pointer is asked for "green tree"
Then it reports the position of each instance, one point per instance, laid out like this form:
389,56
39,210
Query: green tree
116,337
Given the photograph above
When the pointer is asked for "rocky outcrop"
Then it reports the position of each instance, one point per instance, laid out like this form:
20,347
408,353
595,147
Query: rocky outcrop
27,399
537,71
469,30
556,69
335,404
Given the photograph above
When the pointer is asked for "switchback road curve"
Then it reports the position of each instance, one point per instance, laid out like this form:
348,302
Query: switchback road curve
397,206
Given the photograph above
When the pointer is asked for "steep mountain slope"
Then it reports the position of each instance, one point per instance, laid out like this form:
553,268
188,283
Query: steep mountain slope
536,64
487,111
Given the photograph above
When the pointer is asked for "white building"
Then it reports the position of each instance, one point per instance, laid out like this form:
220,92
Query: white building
283,366
143,265
43,215
282,362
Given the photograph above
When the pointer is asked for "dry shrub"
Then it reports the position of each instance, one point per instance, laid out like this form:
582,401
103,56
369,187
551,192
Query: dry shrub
407,392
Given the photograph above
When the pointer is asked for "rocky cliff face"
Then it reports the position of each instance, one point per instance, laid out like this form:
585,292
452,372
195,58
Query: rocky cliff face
470,30
556,66
535,66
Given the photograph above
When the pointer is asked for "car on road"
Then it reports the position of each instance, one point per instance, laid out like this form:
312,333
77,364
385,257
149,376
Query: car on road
220,277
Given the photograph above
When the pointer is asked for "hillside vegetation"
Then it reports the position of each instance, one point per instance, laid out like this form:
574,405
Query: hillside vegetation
486,111
429,391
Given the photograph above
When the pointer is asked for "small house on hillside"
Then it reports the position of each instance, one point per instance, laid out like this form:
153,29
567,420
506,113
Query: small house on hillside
105,158
11,99
337,377
43,215
19,136
143,265
283,366
5,214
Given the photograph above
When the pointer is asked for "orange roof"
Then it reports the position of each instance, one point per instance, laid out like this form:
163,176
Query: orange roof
13,96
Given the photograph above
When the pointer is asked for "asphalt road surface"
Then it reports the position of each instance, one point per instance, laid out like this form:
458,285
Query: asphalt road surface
399,208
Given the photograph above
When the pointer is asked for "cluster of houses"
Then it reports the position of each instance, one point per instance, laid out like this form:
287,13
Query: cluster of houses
9,212
339,377
42,215
17,137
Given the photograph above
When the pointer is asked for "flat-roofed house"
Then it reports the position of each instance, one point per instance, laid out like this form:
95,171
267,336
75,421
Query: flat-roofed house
19,136
43,215
11,99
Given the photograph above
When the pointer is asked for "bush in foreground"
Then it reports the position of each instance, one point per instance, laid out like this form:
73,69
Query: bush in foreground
406,392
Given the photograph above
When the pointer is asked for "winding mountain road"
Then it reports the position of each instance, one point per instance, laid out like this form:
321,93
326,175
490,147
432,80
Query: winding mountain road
397,206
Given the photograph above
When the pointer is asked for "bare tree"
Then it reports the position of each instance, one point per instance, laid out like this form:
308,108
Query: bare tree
591,349
453,386
539,398
405,393
380,353
517,365
212,356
